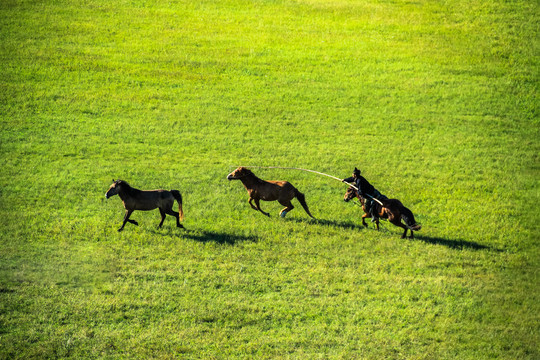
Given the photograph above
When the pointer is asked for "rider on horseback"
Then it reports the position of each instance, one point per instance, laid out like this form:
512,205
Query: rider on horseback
367,191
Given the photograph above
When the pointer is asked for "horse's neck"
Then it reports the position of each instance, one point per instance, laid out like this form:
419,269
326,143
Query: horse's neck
250,181
127,192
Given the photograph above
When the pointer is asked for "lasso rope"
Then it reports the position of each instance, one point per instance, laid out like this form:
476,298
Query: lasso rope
312,171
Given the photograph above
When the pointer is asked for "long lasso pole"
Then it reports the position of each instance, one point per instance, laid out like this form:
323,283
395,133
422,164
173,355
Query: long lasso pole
312,171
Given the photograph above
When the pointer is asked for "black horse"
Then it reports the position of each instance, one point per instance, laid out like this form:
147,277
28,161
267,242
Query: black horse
135,199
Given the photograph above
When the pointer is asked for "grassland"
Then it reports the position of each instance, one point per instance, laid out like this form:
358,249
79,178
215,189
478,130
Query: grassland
436,102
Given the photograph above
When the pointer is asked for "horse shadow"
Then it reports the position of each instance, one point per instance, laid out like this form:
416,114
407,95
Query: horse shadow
350,225
457,244
218,237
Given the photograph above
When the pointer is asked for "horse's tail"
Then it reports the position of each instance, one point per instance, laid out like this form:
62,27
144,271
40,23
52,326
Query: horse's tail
302,199
408,217
178,198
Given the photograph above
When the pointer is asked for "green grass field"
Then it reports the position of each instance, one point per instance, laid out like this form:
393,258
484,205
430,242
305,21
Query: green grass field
436,101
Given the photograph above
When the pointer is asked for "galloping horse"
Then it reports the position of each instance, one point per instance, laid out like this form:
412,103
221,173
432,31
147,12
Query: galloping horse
391,209
134,199
259,189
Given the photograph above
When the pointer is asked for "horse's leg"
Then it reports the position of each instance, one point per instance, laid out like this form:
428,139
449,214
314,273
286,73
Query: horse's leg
259,207
251,204
170,211
394,216
364,219
381,215
126,219
162,212
288,207
404,233
405,227
177,216
398,223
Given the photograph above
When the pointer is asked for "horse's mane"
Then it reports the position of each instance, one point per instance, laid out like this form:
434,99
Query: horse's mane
250,173
127,188
247,172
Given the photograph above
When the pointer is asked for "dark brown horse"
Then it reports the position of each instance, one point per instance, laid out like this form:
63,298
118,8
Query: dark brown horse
259,189
391,209
145,200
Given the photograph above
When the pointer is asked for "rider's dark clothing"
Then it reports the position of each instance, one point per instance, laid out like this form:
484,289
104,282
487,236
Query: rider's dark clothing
364,189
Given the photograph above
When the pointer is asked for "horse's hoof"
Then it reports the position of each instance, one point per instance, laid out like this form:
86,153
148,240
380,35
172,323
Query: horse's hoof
283,214
120,229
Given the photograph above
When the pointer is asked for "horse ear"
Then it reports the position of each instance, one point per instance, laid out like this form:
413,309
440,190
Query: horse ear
355,169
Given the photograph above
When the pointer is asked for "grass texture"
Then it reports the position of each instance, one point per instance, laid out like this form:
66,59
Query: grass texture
435,101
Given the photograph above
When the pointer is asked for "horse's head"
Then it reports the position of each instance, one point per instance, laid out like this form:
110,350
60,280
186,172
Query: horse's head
349,194
239,173
114,189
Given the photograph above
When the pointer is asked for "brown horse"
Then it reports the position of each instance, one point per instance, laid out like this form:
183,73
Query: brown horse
391,209
259,189
134,199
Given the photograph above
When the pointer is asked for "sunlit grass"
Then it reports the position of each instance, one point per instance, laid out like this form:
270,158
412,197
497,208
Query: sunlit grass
436,102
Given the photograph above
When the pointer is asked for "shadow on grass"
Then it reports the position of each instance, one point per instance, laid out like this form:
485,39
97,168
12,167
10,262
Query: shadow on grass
342,224
218,237
453,244
458,244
